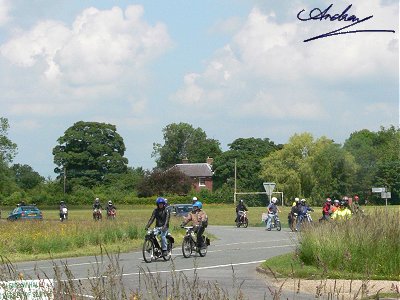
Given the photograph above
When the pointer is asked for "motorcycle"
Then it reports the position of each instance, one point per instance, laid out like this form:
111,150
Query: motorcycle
275,222
152,246
97,214
64,214
111,214
242,219
189,243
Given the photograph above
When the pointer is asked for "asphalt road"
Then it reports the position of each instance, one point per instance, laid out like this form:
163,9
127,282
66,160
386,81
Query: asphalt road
231,261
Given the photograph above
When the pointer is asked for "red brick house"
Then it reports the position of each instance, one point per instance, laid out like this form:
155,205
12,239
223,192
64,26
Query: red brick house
201,173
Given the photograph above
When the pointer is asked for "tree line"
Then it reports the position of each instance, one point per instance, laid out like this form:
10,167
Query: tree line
90,162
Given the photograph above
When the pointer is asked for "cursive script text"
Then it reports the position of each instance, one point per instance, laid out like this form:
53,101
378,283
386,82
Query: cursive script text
322,15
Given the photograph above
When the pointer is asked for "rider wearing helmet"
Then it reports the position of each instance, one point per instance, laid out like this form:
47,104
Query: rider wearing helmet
63,209
240,208
342,213
110,207
326,210
355,205
272,211
97,204
199,219
161,215
296,201
303,210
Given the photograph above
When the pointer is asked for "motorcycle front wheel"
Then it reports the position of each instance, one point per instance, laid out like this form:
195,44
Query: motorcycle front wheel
148,250
203,250
169,247
246,223
186,247
278,225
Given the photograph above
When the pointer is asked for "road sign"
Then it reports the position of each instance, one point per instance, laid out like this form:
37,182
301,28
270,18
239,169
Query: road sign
386,195
378,190
269,188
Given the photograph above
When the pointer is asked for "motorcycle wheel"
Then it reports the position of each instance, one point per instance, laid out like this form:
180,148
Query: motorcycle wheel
203,251
246,223
278,225
187,247
148,250
237,224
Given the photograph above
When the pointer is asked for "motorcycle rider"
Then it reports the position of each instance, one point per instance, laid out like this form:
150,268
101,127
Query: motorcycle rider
296,201
294,211
240,208
63,210
326,210
272,211
97,206
342,213
303,210
110,207
199,219
161,215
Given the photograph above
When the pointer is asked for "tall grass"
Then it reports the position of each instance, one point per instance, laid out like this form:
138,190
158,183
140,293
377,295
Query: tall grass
365,245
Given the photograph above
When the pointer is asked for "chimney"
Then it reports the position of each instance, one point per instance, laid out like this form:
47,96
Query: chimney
210,160
185,160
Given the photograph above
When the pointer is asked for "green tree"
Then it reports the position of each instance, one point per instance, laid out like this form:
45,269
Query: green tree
8,149
162,183
26,177
182,141
310,168
248,153
378,157
88,151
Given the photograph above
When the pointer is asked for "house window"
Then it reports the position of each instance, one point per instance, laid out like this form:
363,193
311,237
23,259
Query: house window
202,181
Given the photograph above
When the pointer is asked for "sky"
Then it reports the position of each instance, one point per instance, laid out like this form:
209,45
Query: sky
236,69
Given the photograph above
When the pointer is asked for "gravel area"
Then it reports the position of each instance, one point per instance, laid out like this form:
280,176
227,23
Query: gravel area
334,288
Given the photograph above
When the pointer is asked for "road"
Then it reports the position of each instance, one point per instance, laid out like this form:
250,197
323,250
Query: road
231,261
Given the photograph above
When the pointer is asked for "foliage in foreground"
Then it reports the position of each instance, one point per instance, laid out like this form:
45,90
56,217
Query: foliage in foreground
365,247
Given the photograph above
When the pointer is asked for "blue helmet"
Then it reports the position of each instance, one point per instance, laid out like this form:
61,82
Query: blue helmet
198,204
160,200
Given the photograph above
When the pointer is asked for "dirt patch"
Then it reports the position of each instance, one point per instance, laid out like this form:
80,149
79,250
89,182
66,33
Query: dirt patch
333,288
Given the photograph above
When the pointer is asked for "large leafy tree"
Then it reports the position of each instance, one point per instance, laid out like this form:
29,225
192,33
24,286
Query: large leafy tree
310,168
26,177
8,149
183,141
161,183
248,153
88,151
378,155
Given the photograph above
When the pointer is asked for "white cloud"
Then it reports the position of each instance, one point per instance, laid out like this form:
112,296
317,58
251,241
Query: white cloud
5,7
85,62
267,69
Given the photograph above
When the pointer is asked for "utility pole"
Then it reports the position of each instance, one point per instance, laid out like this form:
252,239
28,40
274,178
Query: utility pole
65,177
234,194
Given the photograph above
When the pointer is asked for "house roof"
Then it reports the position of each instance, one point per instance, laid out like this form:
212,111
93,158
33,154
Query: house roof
195,169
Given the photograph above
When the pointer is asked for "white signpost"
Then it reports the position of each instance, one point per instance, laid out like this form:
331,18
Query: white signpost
384,195
269,188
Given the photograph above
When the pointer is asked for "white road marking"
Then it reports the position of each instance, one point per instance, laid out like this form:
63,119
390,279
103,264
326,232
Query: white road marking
190,269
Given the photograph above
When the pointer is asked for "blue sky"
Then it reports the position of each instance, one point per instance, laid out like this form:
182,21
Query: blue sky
234,68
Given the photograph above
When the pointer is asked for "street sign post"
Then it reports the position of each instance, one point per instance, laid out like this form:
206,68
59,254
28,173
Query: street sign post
269,188
378,189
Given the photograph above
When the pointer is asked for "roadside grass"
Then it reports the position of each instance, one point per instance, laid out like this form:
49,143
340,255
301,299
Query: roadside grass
363,247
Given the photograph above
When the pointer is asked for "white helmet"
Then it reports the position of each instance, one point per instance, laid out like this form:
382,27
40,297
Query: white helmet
303,200
274,199
296,199
194,198
109,202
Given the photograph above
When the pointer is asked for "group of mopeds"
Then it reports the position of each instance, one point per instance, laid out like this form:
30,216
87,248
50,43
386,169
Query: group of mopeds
152,245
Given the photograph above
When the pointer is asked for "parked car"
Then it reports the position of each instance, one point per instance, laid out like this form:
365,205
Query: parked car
180,210
25,212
